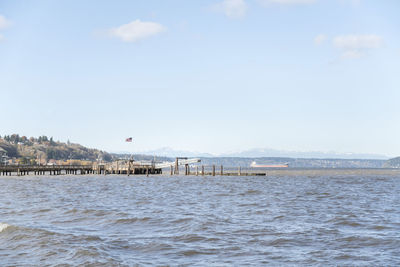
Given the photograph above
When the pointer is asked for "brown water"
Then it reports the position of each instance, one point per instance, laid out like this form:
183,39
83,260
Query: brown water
333,219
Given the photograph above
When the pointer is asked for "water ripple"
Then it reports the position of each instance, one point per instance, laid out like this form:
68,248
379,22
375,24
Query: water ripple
316,218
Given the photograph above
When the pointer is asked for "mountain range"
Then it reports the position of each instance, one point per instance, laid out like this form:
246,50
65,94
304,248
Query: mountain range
265,152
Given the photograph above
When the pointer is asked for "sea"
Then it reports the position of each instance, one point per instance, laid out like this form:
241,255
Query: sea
303,218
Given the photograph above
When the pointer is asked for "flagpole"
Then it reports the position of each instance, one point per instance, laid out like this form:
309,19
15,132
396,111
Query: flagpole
129,140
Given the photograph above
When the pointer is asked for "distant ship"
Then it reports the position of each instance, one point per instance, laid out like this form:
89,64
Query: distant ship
255,165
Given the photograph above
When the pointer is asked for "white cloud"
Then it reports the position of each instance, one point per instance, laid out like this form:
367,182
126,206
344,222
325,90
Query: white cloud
355,46
232,8
358,41
287,2
319,39
136,30
4,23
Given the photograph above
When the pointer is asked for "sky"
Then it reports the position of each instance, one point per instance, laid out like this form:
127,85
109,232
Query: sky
212,76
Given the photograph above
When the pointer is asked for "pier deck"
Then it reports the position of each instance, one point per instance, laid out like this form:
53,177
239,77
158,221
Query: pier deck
127,167
21,170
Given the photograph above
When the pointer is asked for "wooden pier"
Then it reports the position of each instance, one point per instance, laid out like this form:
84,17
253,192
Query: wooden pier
128,167
214,170
20,170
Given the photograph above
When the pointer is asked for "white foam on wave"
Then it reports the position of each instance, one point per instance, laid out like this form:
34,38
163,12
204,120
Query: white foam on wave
3,226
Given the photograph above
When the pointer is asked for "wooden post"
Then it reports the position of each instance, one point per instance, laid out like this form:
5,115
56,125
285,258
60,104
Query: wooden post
147,171
176,166
213,170
129,167
222,170
187,171
202,170
172,170
197,170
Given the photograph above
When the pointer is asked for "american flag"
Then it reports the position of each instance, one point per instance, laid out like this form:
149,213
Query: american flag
129,139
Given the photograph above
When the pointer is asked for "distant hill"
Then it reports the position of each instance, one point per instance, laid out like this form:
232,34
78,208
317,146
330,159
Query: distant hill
46,148
393,163
295,162
170,152
245,162
141,157
265,152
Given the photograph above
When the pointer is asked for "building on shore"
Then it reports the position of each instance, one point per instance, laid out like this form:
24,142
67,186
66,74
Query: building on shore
3,157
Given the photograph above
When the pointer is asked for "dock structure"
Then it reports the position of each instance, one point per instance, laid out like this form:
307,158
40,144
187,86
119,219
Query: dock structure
128,167
118,167
180,161
213,170
21,170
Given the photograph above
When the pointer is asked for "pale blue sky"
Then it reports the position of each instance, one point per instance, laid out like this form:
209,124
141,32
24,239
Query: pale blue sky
208,76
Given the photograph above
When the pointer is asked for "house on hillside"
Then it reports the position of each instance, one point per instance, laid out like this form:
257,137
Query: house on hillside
3,157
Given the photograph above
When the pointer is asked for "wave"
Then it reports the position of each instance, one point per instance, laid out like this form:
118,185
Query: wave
132,220
3,227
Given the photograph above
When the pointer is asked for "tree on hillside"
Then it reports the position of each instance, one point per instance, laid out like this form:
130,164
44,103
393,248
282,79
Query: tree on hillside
52,143
14,138
11,149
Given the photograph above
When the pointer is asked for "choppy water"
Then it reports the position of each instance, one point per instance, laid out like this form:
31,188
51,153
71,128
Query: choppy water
280,220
